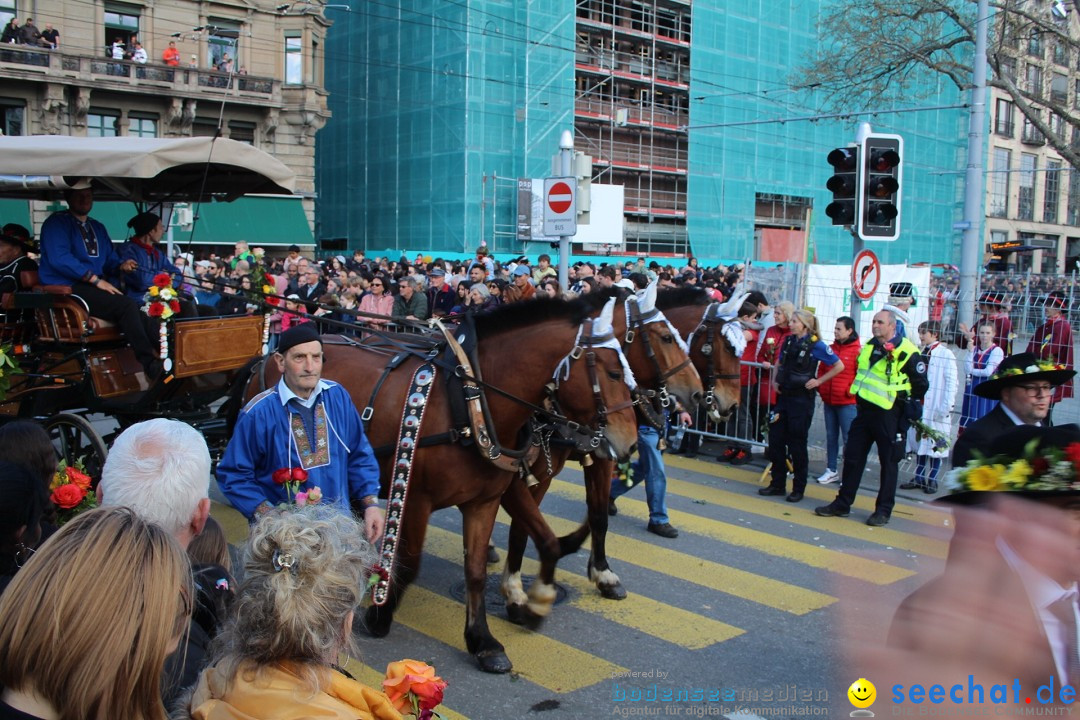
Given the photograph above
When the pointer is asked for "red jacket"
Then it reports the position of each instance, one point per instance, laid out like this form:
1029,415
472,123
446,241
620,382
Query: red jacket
770,352
835,390
748,375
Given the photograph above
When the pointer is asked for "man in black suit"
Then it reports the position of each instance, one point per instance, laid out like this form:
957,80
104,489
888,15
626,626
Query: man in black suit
1024,387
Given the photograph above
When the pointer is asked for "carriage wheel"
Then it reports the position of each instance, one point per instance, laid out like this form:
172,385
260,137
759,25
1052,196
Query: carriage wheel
75,439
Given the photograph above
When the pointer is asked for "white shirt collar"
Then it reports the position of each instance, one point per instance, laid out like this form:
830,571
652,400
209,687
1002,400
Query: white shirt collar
285,394
1014,417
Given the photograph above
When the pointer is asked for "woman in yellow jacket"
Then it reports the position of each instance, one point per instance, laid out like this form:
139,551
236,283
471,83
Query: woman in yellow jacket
304,574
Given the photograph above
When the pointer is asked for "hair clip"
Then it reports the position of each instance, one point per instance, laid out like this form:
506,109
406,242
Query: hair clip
282,560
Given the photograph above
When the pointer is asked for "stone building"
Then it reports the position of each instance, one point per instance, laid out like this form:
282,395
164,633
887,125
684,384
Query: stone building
251,71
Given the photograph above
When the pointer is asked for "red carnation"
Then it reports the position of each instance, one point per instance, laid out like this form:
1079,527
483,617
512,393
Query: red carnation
1072,451
271,300
299,475
67,496
282,476
155,309
163,280
1039,465
174,305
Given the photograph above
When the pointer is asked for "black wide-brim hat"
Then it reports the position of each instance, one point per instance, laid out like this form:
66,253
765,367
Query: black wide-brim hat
1019,368
1013,445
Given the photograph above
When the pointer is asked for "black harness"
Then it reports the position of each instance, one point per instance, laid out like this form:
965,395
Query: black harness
711,324
652,403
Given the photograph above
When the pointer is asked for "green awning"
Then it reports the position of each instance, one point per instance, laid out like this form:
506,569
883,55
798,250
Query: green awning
15,211
262,221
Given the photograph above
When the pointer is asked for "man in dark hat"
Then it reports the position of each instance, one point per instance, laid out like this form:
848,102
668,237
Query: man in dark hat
1006,605
1053,342
302,422
992,306
15,243
146,232
1024,384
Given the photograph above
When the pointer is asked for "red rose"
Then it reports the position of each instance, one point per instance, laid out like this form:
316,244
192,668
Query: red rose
78,479
1039,465
1072,451
889,347
155,309
174,305
299,475
272,300
67,496
281,476
163,280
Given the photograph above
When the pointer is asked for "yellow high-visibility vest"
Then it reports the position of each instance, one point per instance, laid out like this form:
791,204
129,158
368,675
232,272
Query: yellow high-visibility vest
873,384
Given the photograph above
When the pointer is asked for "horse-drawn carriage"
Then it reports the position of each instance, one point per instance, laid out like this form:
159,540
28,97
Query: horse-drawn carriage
76,373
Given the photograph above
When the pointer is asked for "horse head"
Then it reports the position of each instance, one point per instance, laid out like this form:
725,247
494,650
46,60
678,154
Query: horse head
592,386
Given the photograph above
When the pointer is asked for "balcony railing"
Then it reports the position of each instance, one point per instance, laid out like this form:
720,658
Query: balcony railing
182,79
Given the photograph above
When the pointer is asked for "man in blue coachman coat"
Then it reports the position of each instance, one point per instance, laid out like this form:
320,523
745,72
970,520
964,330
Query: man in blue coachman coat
306,422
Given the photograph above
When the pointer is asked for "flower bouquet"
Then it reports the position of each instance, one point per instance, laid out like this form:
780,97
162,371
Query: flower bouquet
939,439
1037,469
413,687
8,367
161,300
292,479
70,491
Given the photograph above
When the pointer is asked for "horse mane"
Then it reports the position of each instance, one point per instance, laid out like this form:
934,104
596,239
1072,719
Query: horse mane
681,296
530,312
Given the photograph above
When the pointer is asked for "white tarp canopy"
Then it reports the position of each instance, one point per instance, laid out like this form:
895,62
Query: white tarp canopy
147,170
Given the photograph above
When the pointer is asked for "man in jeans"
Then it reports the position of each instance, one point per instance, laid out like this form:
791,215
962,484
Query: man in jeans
650,468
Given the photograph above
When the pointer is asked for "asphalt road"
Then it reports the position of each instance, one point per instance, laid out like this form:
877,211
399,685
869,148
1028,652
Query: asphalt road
742,615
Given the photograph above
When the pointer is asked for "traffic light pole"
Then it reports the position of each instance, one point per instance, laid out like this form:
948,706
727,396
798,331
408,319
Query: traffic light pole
971,243
566,169
856,304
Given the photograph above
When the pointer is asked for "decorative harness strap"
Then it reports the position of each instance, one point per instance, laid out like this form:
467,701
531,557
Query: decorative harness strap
710,320
412,417
635,325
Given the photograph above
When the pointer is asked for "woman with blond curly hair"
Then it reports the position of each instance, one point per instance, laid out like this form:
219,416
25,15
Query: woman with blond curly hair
90,618
304,572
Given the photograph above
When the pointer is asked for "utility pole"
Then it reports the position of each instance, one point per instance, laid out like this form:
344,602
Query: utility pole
974,194
566,169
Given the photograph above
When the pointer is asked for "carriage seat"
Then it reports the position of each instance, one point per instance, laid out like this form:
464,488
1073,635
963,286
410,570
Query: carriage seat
68,319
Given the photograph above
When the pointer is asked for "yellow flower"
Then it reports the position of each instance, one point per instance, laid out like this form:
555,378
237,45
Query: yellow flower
266,289
153,291
985,477
1018,474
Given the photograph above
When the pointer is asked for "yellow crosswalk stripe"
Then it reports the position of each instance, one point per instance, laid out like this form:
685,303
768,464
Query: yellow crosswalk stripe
926,514
714,576
637,611
548,663
373,678
832,560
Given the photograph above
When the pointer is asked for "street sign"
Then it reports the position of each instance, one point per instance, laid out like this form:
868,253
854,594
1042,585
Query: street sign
560,206
865,275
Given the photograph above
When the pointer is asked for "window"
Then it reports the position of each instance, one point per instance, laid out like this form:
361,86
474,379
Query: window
1008,68
1026,208
7,11
121,21
1034,80
998,236
242,131
1061,53
204,127
142,125
102,123
1035,45
1072,200
1059,88
12,116
1052,191
294,61
1031,134
1057,125
1003,120
223,44
999,183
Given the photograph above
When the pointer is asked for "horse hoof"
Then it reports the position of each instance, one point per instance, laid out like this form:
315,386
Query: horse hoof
531,620
612,592
516,613
377,624
494,661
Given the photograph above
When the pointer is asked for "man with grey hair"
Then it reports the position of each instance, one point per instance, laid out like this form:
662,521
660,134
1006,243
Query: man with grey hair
411,304
160,469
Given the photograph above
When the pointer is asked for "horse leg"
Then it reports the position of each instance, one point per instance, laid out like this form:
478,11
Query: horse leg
532,609
597,491
379,618
478,519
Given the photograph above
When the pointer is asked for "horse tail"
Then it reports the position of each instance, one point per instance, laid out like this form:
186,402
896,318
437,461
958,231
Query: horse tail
569,544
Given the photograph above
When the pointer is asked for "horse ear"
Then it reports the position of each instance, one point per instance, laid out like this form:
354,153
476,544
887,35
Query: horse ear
602,324
647,297
729,309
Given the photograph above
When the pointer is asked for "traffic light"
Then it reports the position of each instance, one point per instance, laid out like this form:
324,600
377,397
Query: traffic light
879,200
844,185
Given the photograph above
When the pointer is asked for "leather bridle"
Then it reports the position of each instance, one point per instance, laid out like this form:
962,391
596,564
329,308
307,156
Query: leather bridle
652,403
711,323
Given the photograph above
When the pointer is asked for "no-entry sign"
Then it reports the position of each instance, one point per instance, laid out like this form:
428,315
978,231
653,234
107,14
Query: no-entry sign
865,275
560,206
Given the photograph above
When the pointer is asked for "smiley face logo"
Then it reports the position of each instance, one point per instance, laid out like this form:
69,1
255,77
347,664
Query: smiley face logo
862,693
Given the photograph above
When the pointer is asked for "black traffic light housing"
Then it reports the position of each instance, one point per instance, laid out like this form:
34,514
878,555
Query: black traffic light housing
844,185
879,196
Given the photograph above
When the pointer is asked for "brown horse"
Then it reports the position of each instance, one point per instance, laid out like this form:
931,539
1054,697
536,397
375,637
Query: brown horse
689,313
519,349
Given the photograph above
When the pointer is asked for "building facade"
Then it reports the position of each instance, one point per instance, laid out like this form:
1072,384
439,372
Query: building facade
251,72
1032,194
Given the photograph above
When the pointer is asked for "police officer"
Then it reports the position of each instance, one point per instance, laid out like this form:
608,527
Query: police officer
889,380
796,380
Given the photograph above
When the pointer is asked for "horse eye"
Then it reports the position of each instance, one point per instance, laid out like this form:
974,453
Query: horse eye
614,375
668,339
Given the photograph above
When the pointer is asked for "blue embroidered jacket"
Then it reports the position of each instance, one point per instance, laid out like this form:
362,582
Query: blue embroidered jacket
263,442
64,257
